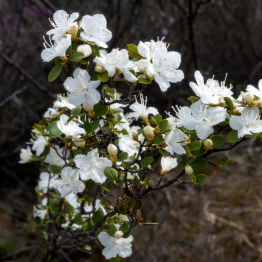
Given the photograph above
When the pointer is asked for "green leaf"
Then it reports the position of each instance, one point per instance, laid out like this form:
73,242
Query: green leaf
147,161
132,50
94,78
76,111
185,159
105,188
58,60
53,129
119,79
102,110
229,103
35,157
54,169
192,177
112,230
164,152
198,152
124,227
123,218
158,118
110,173
163,124
195,145
144,80
232,136
76,56
224,161
97,216
57,196
103,201
86,198
95,50
158,140
122,156
218,140
198,163
193,99
103,77
78,219
46,151
88,127
200,179
55,72
122,210
69,50
182,163
83,62
115,259
125,165
94,125
87,226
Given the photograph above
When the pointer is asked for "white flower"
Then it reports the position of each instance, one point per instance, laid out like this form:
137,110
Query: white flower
54,159
124,124
255,91
85,49
113,60
182,113
62,23
175,140
62,102
127,144
89,208
39,212
141,110
71,128
92,166
51,112
115,245
44,181
95,30
167,164
55,50
129,76
82,89
39,145
25,155
165,68
249,122
70,182
72,200
204,118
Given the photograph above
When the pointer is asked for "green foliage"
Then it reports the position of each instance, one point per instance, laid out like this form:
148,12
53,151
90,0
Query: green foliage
122,156
54,169
78,219
55,72
195,145
76,111
198,163
164,152
163,125
88,127
132,50
103,77
110,173
232,136
142,79
200,179
100,111
103,201
76,56
124,227
229,103
54,130
224,161
147,161
218,140
97,216
95,50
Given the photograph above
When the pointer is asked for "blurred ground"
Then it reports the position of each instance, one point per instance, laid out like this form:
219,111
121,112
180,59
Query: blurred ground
218,221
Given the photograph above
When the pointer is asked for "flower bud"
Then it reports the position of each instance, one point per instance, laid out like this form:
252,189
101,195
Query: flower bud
208,144
100,69
74,29
248,97
149,132
89,108
79,143
85,49
142,65
171,121
112,151
221,100
135,135
189,170
119,234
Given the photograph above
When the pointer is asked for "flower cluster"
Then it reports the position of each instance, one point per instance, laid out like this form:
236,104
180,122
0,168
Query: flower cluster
92,140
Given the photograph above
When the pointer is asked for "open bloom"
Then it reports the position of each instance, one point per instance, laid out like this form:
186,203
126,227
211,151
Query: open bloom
82,89
113,60
71,128
115,245
249,122
95,30
58,49
40,212
175,140
70,182
44,181
72,200
141,110
56,157
89,208
165,68
182,113
92,166
255,91
129,76
167,164
204,118
62,102
127,144
25,155
39,145
51,112
62,23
